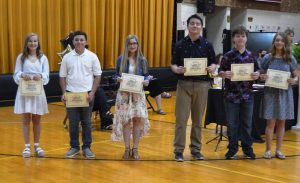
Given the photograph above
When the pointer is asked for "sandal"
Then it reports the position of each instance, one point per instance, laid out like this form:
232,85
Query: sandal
39,152
268,154
126,154
279,155
161,112
26,152
166,95
135,154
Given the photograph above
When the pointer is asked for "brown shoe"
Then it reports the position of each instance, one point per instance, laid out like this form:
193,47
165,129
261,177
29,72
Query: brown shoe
126,154
135,154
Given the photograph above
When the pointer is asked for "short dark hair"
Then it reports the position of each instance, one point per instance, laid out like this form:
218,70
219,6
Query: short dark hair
240,29
76,33
194,16
289,31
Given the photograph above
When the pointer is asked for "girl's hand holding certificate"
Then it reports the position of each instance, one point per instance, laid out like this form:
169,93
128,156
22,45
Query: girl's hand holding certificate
293,81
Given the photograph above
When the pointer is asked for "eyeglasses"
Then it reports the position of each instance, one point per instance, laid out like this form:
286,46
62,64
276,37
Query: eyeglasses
133,43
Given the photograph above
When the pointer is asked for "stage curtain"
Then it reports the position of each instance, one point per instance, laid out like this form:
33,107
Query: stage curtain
106,22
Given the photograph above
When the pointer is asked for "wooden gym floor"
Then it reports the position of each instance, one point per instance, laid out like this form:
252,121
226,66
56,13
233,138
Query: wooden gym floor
156,164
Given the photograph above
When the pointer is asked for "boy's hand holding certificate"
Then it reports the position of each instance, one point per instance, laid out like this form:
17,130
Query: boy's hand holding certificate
76,99
132,83
242,72
195,66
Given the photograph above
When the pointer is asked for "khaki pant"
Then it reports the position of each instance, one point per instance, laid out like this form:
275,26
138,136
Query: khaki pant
191,97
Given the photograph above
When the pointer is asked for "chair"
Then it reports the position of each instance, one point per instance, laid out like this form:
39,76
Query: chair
147,93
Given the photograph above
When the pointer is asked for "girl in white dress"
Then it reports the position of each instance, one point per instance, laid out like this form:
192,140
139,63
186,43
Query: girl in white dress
31,64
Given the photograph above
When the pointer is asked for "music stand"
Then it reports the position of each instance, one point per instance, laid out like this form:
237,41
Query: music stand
219,137
213,106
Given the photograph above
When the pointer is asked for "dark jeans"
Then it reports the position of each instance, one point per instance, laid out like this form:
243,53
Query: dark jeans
239,119
83,115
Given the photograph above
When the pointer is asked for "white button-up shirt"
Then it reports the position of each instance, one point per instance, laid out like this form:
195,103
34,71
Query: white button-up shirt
79,70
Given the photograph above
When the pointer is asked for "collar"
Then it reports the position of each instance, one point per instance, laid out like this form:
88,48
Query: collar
74,53
187,38
237,51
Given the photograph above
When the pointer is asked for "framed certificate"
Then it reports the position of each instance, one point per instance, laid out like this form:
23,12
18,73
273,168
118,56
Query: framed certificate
31,87
277,79
242,72
195,66
76,99
132,83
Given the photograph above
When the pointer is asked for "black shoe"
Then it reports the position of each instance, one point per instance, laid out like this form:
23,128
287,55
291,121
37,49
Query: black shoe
198,156
230,155
179,157
249,154
109,127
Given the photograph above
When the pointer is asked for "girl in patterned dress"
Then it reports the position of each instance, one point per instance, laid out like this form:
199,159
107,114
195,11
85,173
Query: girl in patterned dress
131,115
278,104
31,64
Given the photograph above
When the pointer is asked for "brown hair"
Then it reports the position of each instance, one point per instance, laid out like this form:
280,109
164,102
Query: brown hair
286,55
240,29
25,52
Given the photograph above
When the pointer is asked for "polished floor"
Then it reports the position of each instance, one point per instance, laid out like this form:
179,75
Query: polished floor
156,164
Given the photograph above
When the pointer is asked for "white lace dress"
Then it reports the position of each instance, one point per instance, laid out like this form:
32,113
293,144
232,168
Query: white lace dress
31,104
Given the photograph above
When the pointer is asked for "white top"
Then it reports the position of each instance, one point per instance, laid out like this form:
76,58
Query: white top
31,104
80,70
131,69
39,67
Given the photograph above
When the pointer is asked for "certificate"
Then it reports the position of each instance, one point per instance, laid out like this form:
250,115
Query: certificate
31,87
132,83
277,79
242,72
76,99
195,66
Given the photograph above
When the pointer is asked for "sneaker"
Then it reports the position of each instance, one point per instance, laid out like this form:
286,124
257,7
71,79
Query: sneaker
88,153
72,152
179,157
230,155
39,152
26,152
279,155
249,154
268,154
197,156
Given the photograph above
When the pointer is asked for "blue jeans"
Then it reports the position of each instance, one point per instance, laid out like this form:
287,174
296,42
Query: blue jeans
83,115
239,122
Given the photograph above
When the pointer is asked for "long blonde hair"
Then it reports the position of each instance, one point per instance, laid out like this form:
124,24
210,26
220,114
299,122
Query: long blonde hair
140,59
25,52
286,55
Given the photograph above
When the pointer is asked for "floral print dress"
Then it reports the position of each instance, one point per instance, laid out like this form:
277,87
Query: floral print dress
128,106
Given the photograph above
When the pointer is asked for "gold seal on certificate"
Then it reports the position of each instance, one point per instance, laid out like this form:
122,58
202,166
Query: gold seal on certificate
31,87
132,83
242,72
76,99
195,66
277,79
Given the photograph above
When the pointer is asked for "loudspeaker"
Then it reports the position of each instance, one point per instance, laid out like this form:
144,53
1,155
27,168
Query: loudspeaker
205,6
